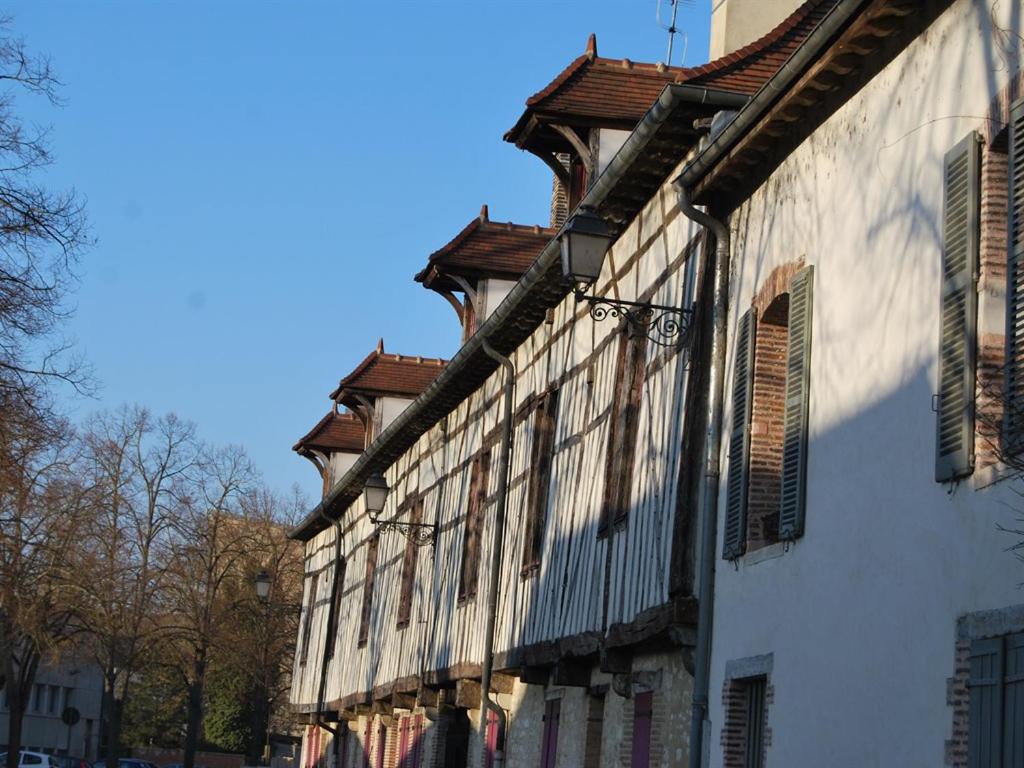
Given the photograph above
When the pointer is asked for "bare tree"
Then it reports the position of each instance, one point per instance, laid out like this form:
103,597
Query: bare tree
40,521
212,539
42,235
134,465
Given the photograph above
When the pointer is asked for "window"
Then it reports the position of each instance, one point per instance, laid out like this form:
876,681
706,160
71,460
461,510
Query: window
643,709
996,688
40,697
334,617
549,742
409,569
371,574
541,456
744,725
954,445
470,573
624,424
307,622
1014,399
53,700
766,484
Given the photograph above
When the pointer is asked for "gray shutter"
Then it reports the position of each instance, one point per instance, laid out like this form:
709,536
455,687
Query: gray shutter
798,385
954,444
984,743
1013,702
1014,401
734,542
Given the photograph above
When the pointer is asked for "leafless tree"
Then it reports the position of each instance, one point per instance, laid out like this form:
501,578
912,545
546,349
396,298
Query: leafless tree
134,465
40,522
42,236
211,540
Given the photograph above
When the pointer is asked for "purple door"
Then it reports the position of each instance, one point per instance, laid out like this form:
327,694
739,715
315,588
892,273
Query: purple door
642,705
492,739
549,748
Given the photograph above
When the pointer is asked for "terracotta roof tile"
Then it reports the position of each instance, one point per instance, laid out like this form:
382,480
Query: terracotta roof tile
334,432
617,93
485,248
386,374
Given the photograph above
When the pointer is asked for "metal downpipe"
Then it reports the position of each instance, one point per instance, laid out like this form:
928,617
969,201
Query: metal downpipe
713,448
504,462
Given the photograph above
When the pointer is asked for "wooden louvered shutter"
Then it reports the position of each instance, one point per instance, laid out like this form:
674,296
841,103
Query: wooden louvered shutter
798,390
954,444
734,542
984,740
1014,400
1013,701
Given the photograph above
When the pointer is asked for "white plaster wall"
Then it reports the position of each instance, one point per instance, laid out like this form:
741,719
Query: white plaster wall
609,142
341,463
386,410
860,613
491,293
735,23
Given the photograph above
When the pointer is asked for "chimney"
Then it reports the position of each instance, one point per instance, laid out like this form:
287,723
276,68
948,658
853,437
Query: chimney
736,23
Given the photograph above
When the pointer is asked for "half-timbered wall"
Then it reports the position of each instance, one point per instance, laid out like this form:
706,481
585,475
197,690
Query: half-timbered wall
585,583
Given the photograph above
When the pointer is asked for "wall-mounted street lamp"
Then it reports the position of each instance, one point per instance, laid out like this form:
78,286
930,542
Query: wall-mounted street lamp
585,241
375,493
262,584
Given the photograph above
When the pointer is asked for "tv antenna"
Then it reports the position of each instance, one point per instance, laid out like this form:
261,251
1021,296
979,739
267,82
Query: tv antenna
671,27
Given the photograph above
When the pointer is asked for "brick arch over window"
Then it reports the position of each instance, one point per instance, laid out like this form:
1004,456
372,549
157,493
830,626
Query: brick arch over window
768,438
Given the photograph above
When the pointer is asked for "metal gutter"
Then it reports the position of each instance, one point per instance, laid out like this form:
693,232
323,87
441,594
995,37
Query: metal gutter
532,282
771,91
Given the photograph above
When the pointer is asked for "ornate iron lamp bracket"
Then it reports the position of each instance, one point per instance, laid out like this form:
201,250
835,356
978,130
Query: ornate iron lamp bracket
664,325
420,534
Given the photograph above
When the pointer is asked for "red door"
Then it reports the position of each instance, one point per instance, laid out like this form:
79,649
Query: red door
403,743
642,707
492,738
382,743
549,747
417,741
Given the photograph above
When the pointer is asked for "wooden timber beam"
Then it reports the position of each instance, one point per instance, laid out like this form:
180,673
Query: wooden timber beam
616,661
403,701
467,694
534,675
428,697
502,683
570,672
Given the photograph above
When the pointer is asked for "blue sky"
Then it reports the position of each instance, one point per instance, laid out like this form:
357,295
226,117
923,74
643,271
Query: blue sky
264,179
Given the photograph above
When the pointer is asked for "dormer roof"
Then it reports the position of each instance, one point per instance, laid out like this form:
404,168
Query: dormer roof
484,248
381,374
616,93
335,432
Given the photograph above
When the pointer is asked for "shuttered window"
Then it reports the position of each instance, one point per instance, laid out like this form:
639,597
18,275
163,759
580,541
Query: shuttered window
954,445
996,685
541,457
624,426
371,575
549,741
409,568
1014,400
734,540
754,747
337,589
473,533
798,390
307,621
643,710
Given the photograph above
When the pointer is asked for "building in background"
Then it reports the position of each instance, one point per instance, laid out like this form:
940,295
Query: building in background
855,463
63,713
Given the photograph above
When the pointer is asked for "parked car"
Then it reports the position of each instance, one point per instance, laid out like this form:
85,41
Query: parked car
126,762
34,759
68,761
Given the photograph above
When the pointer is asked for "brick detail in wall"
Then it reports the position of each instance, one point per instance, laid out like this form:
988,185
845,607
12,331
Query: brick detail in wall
958,699
991,353
734,723
767,424
559,195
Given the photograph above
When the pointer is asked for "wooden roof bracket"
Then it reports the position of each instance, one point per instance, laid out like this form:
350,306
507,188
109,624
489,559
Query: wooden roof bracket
456,305
560,171
581,147
470,291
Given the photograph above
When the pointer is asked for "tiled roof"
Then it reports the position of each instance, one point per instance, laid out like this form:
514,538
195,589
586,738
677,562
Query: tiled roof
334,432
485,248
385,374
616,93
